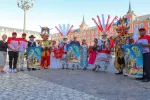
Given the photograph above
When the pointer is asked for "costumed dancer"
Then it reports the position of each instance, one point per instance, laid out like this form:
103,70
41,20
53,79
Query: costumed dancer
144,40
104,46
123,38
53,59
64,32
84,55
45,44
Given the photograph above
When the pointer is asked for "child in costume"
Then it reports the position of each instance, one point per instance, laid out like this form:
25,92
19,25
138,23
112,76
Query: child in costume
104,46
64,32
45,44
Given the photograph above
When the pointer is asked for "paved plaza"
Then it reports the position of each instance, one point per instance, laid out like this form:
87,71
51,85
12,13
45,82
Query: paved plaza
58,84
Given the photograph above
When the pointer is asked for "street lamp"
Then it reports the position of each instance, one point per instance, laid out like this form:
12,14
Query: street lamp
25,5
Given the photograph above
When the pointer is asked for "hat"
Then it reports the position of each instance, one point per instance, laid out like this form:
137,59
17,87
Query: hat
32,36
142,29
23,34
103,34
64,30
123,25
14,33
65,37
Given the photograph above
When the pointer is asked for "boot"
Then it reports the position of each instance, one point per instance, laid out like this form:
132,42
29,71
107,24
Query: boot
73,66
94,68
119,73
63,66
67,66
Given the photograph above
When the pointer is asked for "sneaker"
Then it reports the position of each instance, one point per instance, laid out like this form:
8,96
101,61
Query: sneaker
15,70
145,80
84,68
10,70
105,70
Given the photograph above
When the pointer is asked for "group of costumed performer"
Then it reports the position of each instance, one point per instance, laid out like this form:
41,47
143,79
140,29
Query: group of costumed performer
46,49
104,45
123,38
64,32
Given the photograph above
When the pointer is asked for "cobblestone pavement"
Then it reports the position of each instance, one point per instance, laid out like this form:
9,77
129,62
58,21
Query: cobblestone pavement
101,84
19,86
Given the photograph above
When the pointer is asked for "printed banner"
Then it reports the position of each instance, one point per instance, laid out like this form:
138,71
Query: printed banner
134,60
34,57
73,52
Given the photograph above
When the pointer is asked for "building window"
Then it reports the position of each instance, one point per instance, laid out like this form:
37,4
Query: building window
148,32
148,24
141,25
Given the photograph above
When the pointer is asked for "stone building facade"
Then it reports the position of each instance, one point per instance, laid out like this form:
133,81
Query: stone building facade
89,33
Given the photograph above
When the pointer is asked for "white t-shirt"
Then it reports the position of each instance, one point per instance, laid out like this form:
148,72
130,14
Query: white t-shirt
143,41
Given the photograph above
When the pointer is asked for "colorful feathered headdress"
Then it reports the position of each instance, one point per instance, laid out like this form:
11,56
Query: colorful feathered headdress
123,25
102,27
64,30
45,31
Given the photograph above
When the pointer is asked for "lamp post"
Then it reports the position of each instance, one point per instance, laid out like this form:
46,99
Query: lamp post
25,5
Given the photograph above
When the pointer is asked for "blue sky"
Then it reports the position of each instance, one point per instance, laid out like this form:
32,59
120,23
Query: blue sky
53,12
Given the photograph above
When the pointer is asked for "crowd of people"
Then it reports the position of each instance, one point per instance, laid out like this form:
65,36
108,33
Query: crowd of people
98,55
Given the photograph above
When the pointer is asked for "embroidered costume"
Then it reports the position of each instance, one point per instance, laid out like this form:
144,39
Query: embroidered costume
84,56
104,46
45,44
123,38
92,52
64,32
53,57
